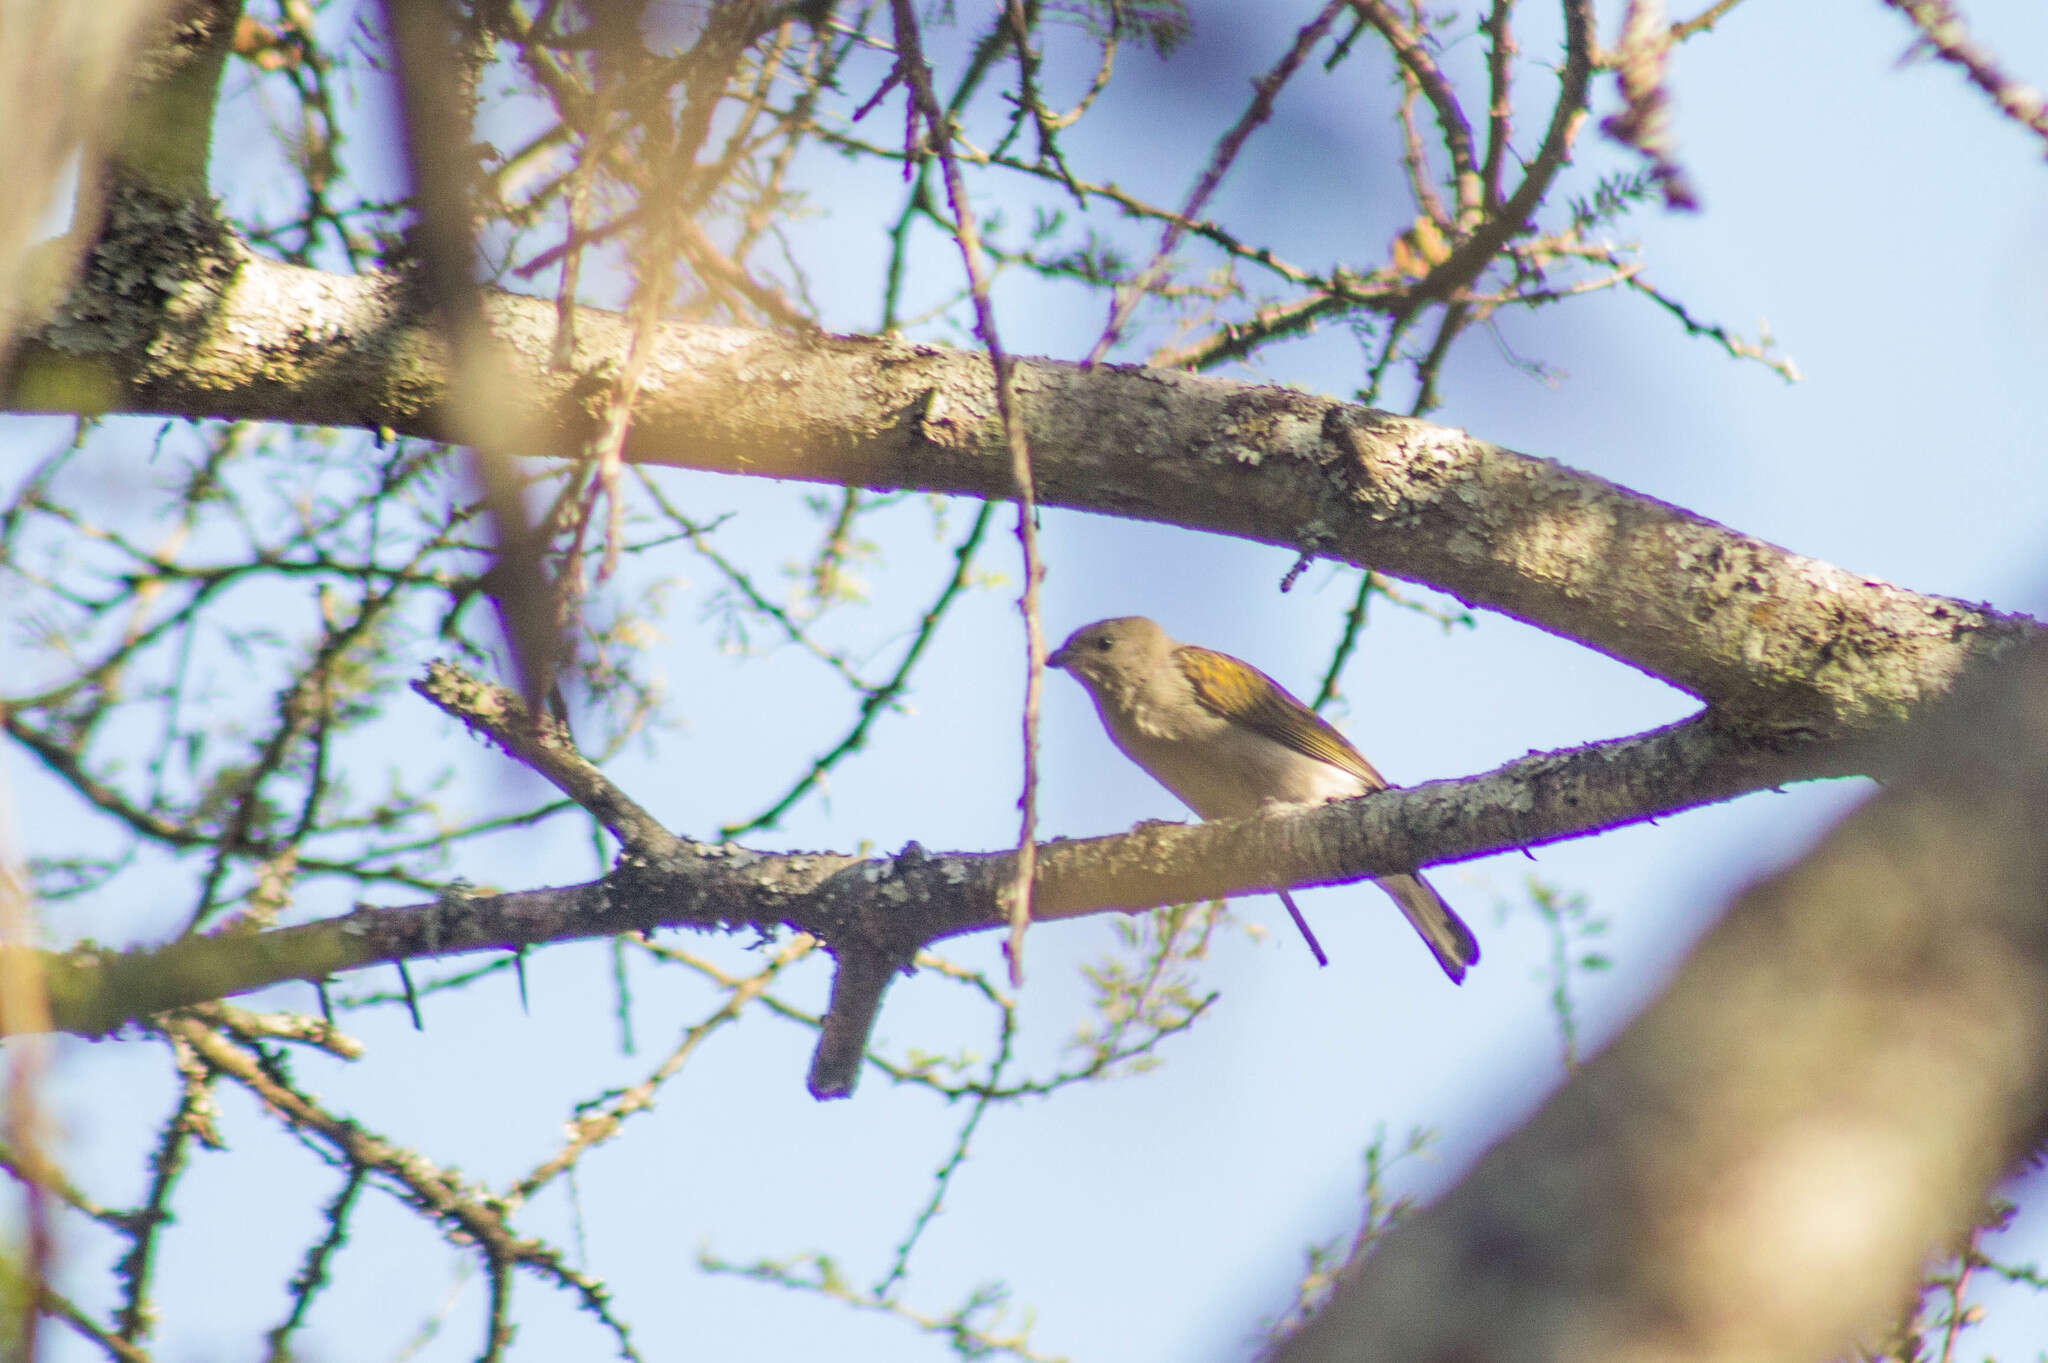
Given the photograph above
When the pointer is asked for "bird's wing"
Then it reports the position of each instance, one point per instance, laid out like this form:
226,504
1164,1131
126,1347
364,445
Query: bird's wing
1244,695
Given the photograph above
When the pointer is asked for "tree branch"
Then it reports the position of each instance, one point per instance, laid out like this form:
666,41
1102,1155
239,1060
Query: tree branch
1760,1165
543,743
1942,29
1744,625
883,910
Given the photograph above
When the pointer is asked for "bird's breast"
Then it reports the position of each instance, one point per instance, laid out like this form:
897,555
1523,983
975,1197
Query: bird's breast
1221,769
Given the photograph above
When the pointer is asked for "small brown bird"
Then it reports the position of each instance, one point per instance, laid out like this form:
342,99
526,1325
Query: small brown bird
1230,742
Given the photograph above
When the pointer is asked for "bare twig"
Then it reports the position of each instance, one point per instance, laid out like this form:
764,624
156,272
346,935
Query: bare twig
1265,90
1941,28
1416,60
939,122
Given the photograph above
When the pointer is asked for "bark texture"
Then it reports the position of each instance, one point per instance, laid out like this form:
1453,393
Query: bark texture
1762,634
882,910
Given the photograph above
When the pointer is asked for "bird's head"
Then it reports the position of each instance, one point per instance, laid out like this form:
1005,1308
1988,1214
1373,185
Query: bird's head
1113,655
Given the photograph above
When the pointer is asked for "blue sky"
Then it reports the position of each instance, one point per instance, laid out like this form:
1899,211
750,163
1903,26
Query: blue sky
1879,219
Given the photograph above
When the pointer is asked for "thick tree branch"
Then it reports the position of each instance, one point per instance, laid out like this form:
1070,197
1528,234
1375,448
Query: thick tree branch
884,909
1761,1165
864,963
1750,628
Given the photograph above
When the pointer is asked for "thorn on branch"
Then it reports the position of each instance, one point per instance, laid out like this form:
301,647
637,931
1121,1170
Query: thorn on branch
1307,934
889,82
1293,575
412,998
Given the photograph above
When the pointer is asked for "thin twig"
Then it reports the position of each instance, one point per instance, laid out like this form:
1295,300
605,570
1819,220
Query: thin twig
1265,90
1436,88
939,122
1941,28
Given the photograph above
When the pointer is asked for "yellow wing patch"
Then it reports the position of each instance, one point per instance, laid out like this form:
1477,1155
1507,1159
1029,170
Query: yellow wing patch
1241,693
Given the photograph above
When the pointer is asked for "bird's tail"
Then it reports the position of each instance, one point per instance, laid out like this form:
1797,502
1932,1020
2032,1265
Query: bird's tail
1445,932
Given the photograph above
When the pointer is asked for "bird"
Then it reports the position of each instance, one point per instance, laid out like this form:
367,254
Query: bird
1229,741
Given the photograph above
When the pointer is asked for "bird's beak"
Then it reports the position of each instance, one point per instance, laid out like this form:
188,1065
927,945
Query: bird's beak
1059,657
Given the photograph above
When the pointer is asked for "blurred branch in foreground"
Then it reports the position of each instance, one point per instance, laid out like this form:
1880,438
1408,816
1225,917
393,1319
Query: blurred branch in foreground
1760,1166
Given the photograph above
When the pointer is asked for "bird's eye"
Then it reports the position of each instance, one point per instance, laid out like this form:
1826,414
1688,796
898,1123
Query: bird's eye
1104,645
